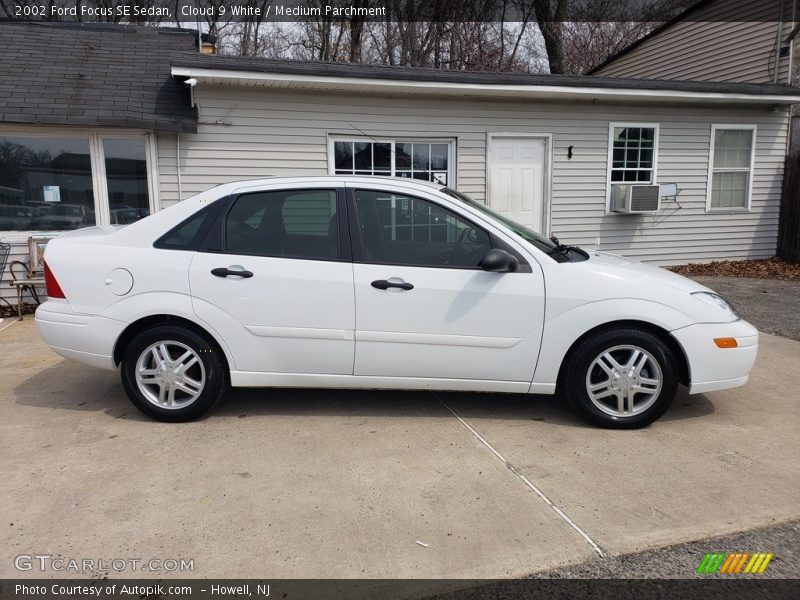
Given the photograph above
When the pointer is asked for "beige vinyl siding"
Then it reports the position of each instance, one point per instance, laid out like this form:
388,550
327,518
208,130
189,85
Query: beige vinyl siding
269,132
736,43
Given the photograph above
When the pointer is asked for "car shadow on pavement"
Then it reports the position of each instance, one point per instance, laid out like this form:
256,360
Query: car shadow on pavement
67,386
70,386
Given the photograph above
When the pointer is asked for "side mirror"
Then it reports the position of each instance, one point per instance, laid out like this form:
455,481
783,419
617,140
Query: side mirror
554,239
497,260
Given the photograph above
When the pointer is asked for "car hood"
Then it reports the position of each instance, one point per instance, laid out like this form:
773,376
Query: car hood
615,265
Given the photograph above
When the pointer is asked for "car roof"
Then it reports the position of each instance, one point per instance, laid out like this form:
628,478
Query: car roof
231,186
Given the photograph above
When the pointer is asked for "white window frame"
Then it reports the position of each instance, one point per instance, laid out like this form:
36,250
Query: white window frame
710,180
611,126
451,151
97,160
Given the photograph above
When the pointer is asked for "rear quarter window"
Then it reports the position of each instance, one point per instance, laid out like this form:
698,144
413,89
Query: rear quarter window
188,234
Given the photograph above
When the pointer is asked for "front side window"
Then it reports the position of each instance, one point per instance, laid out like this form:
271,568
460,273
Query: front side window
633,158
287,223
428,161
731,168
45,183
404,230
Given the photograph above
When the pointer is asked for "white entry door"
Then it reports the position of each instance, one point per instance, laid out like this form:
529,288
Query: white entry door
516,176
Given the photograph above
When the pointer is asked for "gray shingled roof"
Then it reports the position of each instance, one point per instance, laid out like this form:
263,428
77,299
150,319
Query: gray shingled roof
330,69
94,75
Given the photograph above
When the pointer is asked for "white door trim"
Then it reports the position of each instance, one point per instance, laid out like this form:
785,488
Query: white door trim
547,184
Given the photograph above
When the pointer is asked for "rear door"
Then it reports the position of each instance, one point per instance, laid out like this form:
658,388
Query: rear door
276,281
424,308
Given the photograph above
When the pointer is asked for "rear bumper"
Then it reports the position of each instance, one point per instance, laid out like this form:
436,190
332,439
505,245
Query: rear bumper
712,368
84,338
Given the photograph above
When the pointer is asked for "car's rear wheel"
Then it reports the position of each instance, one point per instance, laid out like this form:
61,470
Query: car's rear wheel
172,373
621,378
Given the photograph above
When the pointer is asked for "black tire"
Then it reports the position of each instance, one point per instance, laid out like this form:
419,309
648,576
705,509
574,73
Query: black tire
211,365
574,379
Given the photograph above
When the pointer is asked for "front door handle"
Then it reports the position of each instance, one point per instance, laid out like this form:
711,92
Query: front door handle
226,272
383,284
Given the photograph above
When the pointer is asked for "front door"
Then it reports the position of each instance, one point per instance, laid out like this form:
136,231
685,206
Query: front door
281,289
424,308
516,179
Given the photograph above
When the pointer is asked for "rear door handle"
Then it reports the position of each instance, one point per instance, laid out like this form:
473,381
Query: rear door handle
383,284
226,272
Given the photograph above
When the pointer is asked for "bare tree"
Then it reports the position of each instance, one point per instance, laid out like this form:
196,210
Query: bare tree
579,34
551,14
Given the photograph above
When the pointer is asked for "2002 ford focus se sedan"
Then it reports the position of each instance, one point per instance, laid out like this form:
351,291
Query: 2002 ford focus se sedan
378,283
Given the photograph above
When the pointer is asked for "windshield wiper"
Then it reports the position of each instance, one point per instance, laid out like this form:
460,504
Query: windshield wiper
562,249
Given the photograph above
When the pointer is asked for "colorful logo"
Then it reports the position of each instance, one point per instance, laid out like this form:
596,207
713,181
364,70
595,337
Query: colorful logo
733,563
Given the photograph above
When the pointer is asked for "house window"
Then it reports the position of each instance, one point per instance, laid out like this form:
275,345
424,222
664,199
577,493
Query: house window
731,169
633,150
62,181
45,183
425,160
126,179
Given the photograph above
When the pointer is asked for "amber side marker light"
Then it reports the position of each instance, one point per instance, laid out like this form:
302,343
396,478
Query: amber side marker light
725,342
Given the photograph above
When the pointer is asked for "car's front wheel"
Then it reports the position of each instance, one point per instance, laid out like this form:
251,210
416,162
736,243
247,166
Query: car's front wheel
172,373
621,378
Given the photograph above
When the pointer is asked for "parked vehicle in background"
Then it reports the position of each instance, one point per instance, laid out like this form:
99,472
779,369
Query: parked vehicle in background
365,282
59,216
14,217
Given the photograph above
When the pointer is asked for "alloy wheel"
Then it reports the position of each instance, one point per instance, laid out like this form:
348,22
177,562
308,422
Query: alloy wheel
170,374
624,381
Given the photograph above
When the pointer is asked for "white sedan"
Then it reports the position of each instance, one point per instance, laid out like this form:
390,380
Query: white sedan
364,282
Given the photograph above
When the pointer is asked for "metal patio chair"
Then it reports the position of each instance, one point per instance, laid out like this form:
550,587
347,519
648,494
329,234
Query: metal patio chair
5,250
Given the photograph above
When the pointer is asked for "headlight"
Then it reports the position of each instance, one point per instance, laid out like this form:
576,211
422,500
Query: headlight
718,302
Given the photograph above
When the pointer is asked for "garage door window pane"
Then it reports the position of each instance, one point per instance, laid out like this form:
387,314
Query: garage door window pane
126,177
402,159
363,156
45,183
343,157
418,160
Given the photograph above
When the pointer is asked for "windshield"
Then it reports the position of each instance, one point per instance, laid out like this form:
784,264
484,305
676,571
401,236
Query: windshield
529,235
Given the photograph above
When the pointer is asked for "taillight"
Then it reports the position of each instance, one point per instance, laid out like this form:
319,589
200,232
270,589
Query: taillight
53,289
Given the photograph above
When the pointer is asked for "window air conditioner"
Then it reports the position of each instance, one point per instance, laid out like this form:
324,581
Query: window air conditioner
638,199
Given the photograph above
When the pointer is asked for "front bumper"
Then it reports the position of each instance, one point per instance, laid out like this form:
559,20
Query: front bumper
84,338
712,368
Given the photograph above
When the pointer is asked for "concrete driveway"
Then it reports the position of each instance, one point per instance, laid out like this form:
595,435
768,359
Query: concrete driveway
295,483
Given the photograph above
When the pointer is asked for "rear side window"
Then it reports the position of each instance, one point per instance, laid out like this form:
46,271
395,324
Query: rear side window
188,234
286,223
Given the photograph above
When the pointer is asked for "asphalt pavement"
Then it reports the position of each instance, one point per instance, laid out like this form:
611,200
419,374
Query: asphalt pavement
772,305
